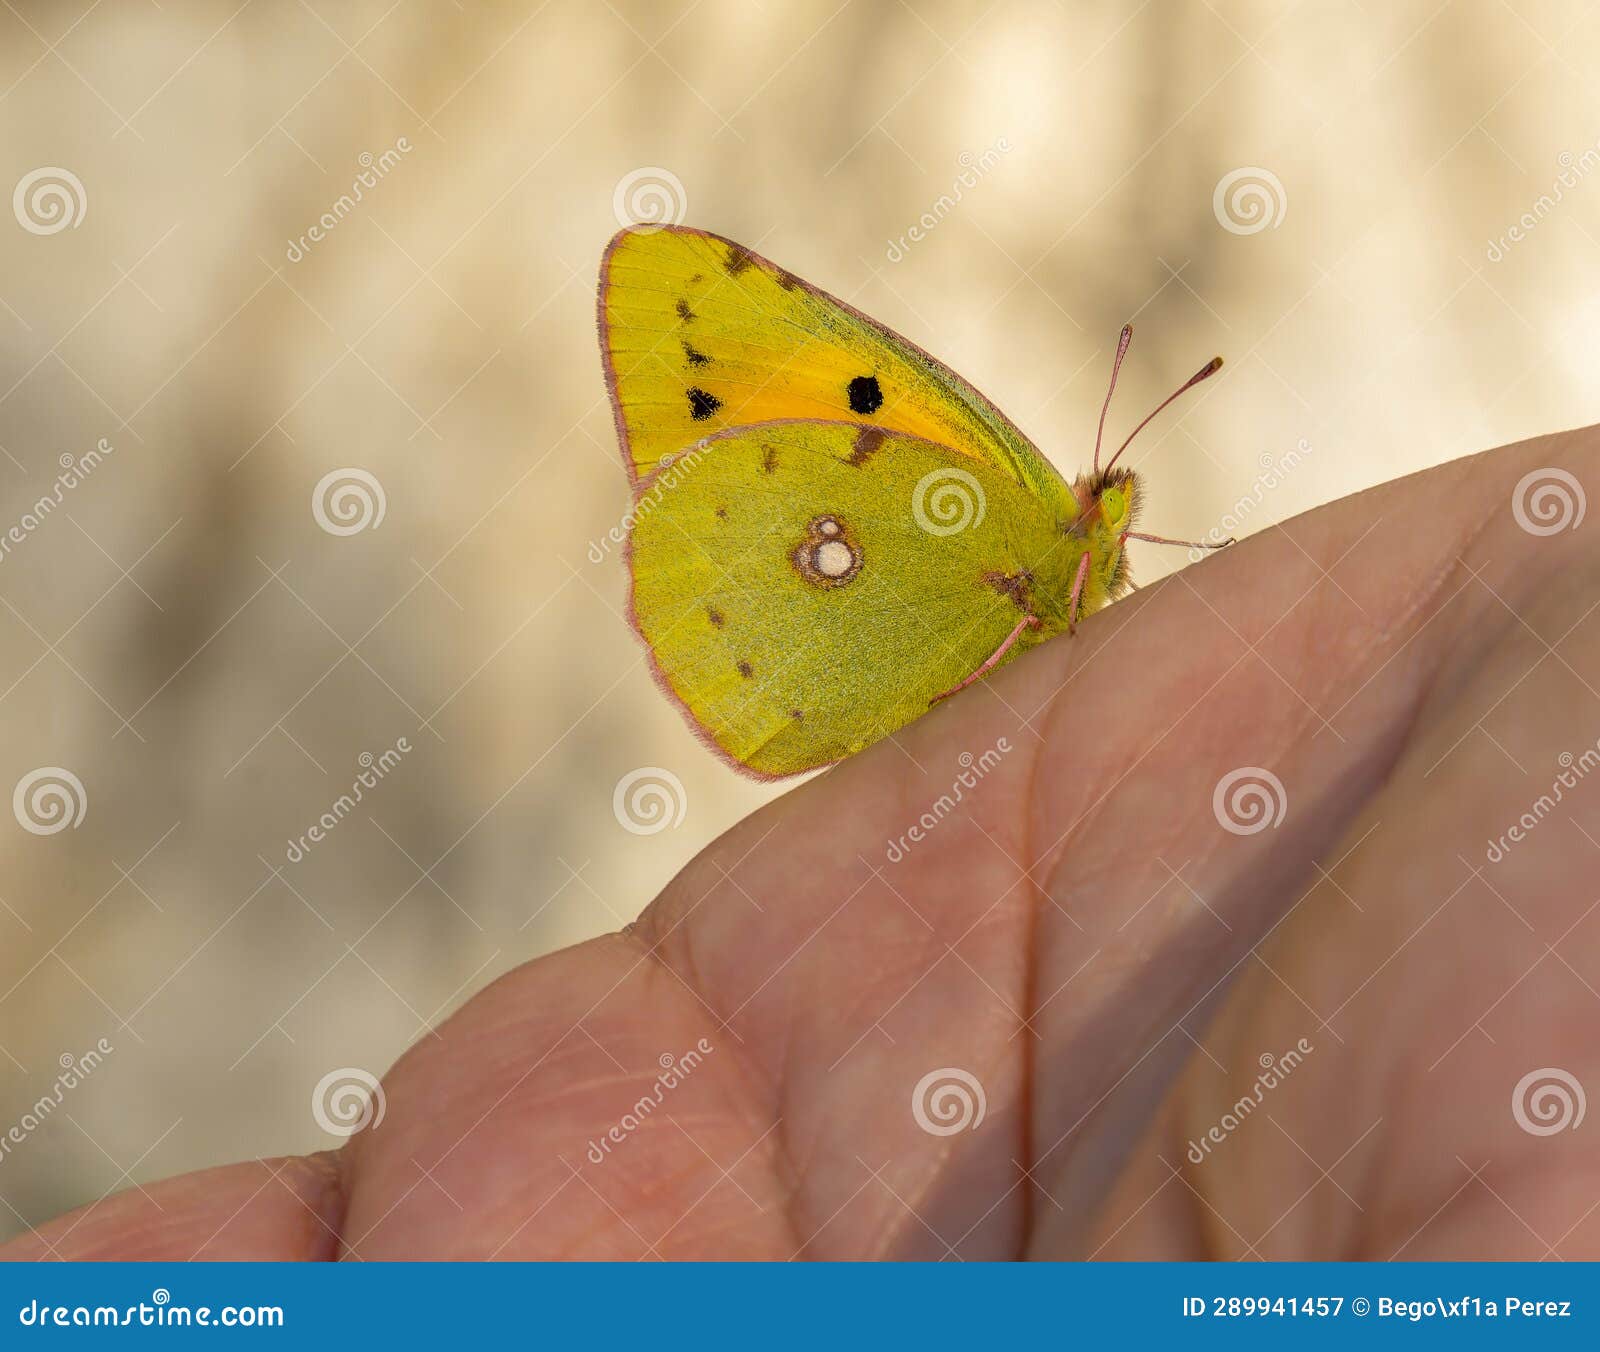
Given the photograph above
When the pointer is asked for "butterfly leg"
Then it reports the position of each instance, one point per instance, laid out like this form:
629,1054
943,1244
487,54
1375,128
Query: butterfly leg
1026,622
1187,544
1077,593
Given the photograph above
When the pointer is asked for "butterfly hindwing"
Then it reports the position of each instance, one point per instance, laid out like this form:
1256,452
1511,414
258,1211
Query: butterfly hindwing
806,587
699,334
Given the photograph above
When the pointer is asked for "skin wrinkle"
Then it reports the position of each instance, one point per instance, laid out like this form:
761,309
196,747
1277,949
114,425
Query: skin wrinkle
793,1171
932,1177
1380,1174
1401,1087
1219,1245
1032,983
1206,1220
1400,742
336,1201
1025,1097
1039,898
1420,704
782,1155
1061,850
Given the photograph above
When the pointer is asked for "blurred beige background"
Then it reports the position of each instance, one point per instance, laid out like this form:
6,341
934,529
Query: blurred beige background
1321,192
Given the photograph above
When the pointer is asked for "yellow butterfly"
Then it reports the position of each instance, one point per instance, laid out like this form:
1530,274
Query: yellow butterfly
831,530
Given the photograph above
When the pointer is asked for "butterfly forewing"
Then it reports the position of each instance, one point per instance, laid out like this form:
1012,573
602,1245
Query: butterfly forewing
700,334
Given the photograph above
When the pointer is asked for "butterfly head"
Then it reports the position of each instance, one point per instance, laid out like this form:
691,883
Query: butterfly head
1117,498
1107,503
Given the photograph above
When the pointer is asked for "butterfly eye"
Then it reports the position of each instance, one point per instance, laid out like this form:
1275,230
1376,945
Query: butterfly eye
1114,503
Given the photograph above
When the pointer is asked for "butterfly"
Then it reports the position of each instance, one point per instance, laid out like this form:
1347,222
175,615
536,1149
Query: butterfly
831,531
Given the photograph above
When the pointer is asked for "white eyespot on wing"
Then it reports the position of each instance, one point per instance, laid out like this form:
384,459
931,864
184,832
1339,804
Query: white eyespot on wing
833,558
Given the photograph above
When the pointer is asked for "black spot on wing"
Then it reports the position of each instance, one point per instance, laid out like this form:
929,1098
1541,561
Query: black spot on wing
693,355
769,460
717,618
739,258
684,312
746,670
865,396
702,403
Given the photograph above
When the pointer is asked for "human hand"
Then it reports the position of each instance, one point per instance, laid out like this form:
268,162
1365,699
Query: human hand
1083,936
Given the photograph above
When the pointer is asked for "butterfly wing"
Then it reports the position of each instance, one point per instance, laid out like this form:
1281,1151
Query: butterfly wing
699,334
807,587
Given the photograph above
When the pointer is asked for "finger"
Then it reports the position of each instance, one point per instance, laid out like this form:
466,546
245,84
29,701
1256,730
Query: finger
274,1210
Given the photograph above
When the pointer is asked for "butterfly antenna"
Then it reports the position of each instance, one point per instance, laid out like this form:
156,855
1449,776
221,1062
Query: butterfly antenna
1205,372
1116,365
